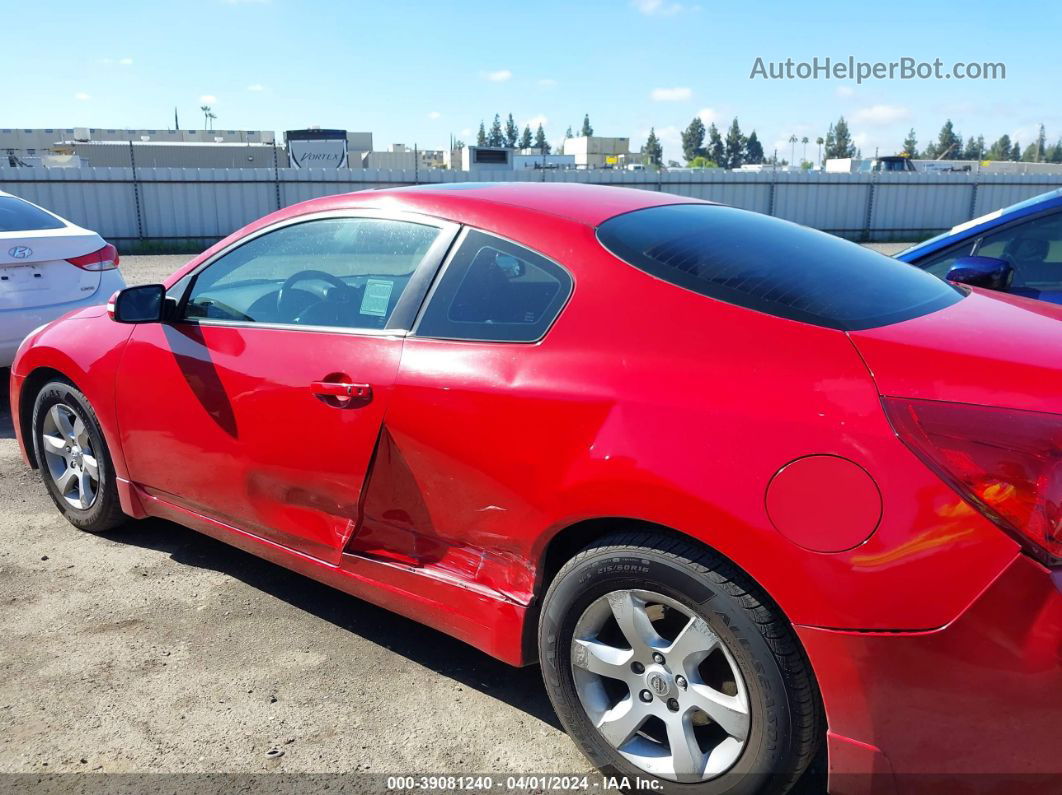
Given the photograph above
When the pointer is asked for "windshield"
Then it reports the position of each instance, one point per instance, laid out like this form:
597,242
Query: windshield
773,266
20,216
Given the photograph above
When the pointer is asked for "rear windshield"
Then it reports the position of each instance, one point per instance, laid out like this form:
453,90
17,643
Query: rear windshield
773,266
19,216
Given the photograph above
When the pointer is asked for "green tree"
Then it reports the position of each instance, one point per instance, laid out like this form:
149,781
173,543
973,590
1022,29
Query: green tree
949,143
1015,152
703,162
715,150
693,140
1031,154
481,136
541,144
819,142
753,149
1054,154
1041,145
972,151
512,132
525,138
568,132
910,144
1000,150
653,151
587,129
496,137
735,145
839,140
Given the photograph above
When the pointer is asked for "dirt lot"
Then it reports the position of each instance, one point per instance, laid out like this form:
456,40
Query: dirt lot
159,650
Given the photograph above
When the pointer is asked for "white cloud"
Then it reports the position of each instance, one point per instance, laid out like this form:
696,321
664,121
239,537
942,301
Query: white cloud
127,61
208,99
881,114
466,132
708,116
81,96
246,2
657,7
547,82
534,121
433,115
500,76
256,87
677,94
844,91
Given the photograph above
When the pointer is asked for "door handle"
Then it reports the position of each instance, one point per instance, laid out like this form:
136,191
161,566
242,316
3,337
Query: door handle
341,393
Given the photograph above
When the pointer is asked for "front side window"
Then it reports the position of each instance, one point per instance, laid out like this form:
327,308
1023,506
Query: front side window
341,272
1034,251
773,266
21,216
497,291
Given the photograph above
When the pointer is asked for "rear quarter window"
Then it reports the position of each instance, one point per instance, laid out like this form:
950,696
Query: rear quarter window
21,216
773,266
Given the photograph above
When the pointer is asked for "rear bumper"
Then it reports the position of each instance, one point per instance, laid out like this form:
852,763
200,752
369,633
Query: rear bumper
971,707
16,324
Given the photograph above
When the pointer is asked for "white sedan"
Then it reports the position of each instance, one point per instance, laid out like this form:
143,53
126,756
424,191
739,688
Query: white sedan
48,266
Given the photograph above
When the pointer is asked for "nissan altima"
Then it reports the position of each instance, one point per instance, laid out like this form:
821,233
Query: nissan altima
748,493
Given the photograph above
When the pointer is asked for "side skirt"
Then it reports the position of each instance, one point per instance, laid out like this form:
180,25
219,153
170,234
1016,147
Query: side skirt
478,616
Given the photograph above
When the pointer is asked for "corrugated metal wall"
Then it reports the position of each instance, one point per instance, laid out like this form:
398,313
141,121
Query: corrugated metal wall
205,204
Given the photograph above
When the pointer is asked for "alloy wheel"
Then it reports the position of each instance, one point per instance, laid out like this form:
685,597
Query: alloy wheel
660,685
70,457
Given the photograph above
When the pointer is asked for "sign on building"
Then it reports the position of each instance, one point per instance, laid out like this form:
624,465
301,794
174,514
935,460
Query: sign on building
316,148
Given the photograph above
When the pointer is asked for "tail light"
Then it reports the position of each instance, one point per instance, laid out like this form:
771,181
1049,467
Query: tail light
103,260
1006,463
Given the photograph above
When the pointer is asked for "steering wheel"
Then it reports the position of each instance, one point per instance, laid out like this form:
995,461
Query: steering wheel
305,275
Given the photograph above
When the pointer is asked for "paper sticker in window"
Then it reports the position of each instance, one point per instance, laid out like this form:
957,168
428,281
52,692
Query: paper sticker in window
376,298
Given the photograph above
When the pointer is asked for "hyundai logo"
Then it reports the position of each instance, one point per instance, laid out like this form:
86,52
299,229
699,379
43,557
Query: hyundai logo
20,252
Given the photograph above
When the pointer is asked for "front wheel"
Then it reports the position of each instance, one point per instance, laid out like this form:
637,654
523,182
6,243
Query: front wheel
662,663
73,459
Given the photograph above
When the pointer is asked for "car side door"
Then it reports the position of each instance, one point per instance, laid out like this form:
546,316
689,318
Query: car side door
259,405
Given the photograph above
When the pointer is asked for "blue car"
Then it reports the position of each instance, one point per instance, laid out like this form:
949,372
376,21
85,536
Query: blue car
1017,250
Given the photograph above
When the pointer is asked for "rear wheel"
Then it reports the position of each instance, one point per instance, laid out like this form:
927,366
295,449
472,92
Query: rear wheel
663,664
73,459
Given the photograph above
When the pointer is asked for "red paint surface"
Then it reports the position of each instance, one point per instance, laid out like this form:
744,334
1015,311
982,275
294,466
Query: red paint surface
824,503
439,499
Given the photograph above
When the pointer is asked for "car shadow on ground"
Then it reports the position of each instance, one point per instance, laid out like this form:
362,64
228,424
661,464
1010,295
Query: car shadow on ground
7,428
521,688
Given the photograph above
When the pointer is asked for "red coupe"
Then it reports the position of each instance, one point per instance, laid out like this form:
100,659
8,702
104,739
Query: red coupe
747,492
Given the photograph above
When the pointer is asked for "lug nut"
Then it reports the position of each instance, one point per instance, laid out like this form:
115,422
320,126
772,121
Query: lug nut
658,657
645,696
672,704
681,682
637,667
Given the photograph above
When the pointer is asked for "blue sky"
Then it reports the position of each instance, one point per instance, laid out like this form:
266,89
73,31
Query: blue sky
419,72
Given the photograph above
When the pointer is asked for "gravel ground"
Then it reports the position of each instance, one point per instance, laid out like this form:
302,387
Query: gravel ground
158,650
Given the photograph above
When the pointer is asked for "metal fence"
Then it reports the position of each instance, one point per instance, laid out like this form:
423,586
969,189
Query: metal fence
198,206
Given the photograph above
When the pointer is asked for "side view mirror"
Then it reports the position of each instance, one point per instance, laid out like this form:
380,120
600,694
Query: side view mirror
141,304
988,272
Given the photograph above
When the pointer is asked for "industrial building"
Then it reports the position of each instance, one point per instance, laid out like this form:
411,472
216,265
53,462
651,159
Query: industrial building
596,151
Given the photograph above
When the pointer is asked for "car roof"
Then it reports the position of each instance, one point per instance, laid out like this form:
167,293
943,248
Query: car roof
585,204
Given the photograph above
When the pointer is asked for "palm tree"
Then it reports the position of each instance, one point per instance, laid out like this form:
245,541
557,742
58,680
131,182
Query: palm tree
820,142
792,148
804,141
206,116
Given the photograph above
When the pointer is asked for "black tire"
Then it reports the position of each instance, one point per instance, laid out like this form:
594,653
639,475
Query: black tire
786,726
105,512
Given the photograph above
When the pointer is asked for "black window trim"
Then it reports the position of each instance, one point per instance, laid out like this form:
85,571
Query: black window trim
445,267
406,309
